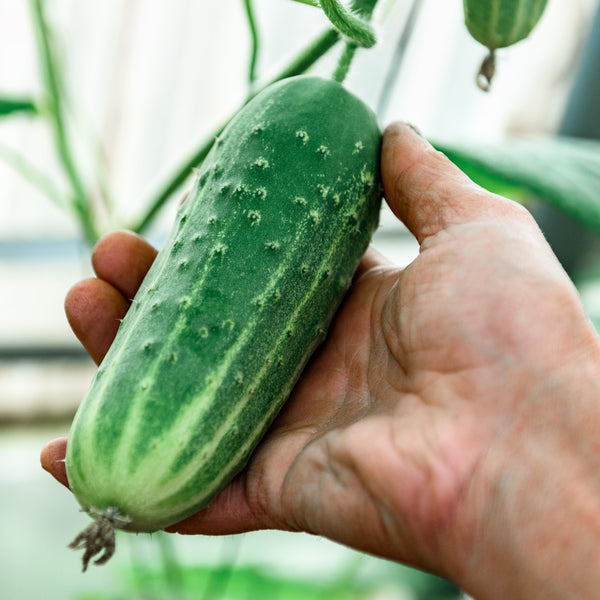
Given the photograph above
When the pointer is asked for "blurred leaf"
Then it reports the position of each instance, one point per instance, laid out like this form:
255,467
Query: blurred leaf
15,105
249,582
242,583
564,172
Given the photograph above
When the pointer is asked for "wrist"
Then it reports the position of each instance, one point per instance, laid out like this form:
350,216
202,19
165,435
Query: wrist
536,497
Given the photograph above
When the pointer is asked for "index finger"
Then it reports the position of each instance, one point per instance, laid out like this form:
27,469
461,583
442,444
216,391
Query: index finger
52,459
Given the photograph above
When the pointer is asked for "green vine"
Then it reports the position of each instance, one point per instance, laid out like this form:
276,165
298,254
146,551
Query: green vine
349,24
80,200
365,9
250,16
345,61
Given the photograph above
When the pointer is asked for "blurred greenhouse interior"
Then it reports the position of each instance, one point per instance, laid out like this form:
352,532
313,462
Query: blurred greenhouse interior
145,82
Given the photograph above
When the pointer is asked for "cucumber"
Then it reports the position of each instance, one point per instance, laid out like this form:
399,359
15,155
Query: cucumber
501,23
498,24
238,298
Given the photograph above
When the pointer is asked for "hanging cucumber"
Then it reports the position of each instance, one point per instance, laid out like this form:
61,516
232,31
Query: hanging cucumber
498,24
242,292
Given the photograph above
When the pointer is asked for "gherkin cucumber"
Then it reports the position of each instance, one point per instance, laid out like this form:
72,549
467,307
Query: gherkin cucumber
238,298
498,24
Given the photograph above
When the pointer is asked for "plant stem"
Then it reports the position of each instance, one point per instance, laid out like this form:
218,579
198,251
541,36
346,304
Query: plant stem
308,56
343,66
255,40
303,60
80,203
364,8
347,23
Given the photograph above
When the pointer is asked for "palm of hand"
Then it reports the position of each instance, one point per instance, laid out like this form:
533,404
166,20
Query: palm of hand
381,439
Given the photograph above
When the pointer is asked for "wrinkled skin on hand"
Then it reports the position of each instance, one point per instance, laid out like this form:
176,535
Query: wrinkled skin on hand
414,432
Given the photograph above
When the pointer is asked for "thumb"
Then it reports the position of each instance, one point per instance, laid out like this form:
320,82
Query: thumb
427,192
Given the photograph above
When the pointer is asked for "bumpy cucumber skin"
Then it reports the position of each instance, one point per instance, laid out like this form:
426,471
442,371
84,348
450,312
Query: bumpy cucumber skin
237,300
501,23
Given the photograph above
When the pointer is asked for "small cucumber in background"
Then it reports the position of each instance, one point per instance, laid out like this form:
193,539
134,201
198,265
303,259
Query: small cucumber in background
238,298
498,24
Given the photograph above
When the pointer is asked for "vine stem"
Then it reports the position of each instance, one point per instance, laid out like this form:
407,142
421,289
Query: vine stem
80,201
365,9
348,24
248,5
303,60
345,61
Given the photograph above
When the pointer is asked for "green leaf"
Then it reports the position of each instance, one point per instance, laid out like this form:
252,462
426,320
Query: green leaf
562,171
14,105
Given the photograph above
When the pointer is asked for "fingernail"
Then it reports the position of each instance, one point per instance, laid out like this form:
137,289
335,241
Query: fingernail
414,128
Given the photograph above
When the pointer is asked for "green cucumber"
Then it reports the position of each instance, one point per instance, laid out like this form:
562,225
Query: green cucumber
498,24
238,298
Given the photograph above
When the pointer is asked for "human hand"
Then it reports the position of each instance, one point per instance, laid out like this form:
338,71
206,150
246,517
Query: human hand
413,432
